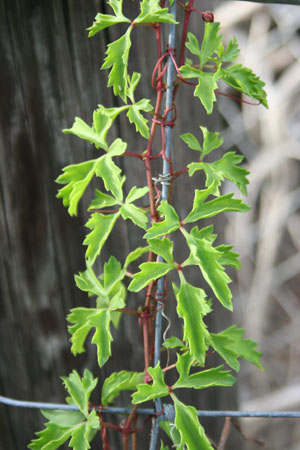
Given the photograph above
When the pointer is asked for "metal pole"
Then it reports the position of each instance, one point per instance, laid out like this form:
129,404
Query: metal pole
164,196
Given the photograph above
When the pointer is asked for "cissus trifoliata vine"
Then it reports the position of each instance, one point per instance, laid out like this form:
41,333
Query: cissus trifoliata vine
209,61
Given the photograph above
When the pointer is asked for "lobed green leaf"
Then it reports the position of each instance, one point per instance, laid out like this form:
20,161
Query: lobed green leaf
134,115
157,389
118,382
166,226
117,60
103,21
137,215
83,320
162,247
204,379
84,131
244,348
211,41
191,307
63,425
152,12
111,175
76,177
232,51
134,255
244,80
191,432
80,389
205,90
207,258
102,200
224,203
191,141
136,193
101,226
149,271
173,342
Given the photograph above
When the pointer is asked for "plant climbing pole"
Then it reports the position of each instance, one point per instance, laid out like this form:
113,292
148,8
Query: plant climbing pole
209,61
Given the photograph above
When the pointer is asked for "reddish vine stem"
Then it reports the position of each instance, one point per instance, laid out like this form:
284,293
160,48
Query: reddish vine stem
187,12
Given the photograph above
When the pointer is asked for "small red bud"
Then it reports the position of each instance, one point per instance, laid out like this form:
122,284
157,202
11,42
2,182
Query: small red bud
208,16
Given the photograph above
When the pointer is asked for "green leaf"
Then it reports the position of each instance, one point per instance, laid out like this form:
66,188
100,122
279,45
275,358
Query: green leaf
187,423
221,345
113,273
173,433
83,131
205,90
226,167
244,80
51,438
137,215
80,389
116,5
101,226
109,290
63,425
203,209
103,21
132,84
203,379
157,389
204,233
135,254
162,247
117,148
191,307
149,271
191,141
118,382
85,319
163,447
82,436
228,258
211,141
111,175
134,115
169,224
173,342
207,258
103,119
192,45
88,282
64,419
232,51
102,201
152,12
211,41
187,71
244,348
76,177
117,60
136,193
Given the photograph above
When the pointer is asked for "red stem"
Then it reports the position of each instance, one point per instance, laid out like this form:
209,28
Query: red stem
134,155
187,13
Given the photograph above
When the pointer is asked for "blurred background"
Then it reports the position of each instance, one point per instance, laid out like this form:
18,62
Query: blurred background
50,74
267,292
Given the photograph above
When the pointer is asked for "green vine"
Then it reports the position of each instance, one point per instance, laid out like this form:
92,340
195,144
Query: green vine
210,62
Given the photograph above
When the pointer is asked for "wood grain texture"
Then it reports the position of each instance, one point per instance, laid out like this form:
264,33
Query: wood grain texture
50,74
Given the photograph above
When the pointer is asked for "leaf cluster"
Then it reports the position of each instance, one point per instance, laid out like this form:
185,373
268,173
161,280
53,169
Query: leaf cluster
214,64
